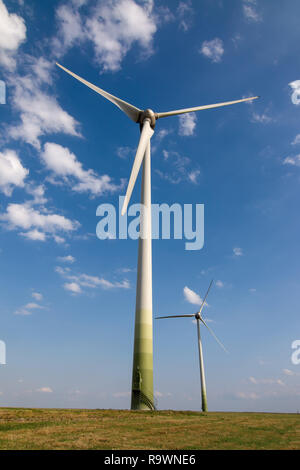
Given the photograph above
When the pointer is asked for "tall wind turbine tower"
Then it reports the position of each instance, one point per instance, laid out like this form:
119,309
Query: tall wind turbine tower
142,374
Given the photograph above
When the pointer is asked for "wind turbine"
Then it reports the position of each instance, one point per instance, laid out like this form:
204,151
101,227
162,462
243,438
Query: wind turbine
142,374
199,318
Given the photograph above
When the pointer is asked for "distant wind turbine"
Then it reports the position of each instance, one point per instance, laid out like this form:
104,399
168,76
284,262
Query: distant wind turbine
142,374
199,319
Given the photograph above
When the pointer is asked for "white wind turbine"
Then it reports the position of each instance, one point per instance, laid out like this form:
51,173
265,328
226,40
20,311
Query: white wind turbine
199,318
142,375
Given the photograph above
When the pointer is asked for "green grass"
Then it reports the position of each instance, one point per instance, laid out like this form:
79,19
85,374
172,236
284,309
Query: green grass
120,429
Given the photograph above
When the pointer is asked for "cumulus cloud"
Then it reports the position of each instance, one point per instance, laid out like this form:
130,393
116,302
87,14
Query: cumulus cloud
12,34
34,235
45,390
111,26
124,152
178,168
250,11
27,309
296,140
185,15
40,114
66,259
37,296
116,25
70,27
237,251
290,373
72,287
267,381
64,164
293,161
78,281
191,296
38,223
187,124
193,176
12,172
219,284
213,49
261,118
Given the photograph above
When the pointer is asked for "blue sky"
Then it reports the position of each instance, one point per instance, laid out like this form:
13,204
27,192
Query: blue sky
68,299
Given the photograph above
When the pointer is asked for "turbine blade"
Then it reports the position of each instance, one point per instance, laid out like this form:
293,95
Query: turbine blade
199,108
131,111
203,302
213,334
146,135
175,316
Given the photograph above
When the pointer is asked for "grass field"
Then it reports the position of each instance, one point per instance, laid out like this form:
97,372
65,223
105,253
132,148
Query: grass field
121,429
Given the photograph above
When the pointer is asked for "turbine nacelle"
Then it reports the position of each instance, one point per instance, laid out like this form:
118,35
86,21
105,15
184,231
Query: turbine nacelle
150,115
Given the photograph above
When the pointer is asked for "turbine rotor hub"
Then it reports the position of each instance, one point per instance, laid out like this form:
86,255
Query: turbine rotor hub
148,114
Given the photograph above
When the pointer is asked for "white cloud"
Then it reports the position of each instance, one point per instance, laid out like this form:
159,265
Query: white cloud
113,27
79,281
220,284
213,49
59,239
41,69
66,259
193,176
36,222
247,395
45,390
37,296
187,124
266,381
70,28
237,251
185,14
123,152
35,235
290,372
250,11
12,34
27,309
116,25
40,113
72,287
38,193
64,164
161,134
262,118
178,168
191,296
12,172
293,161
296,140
